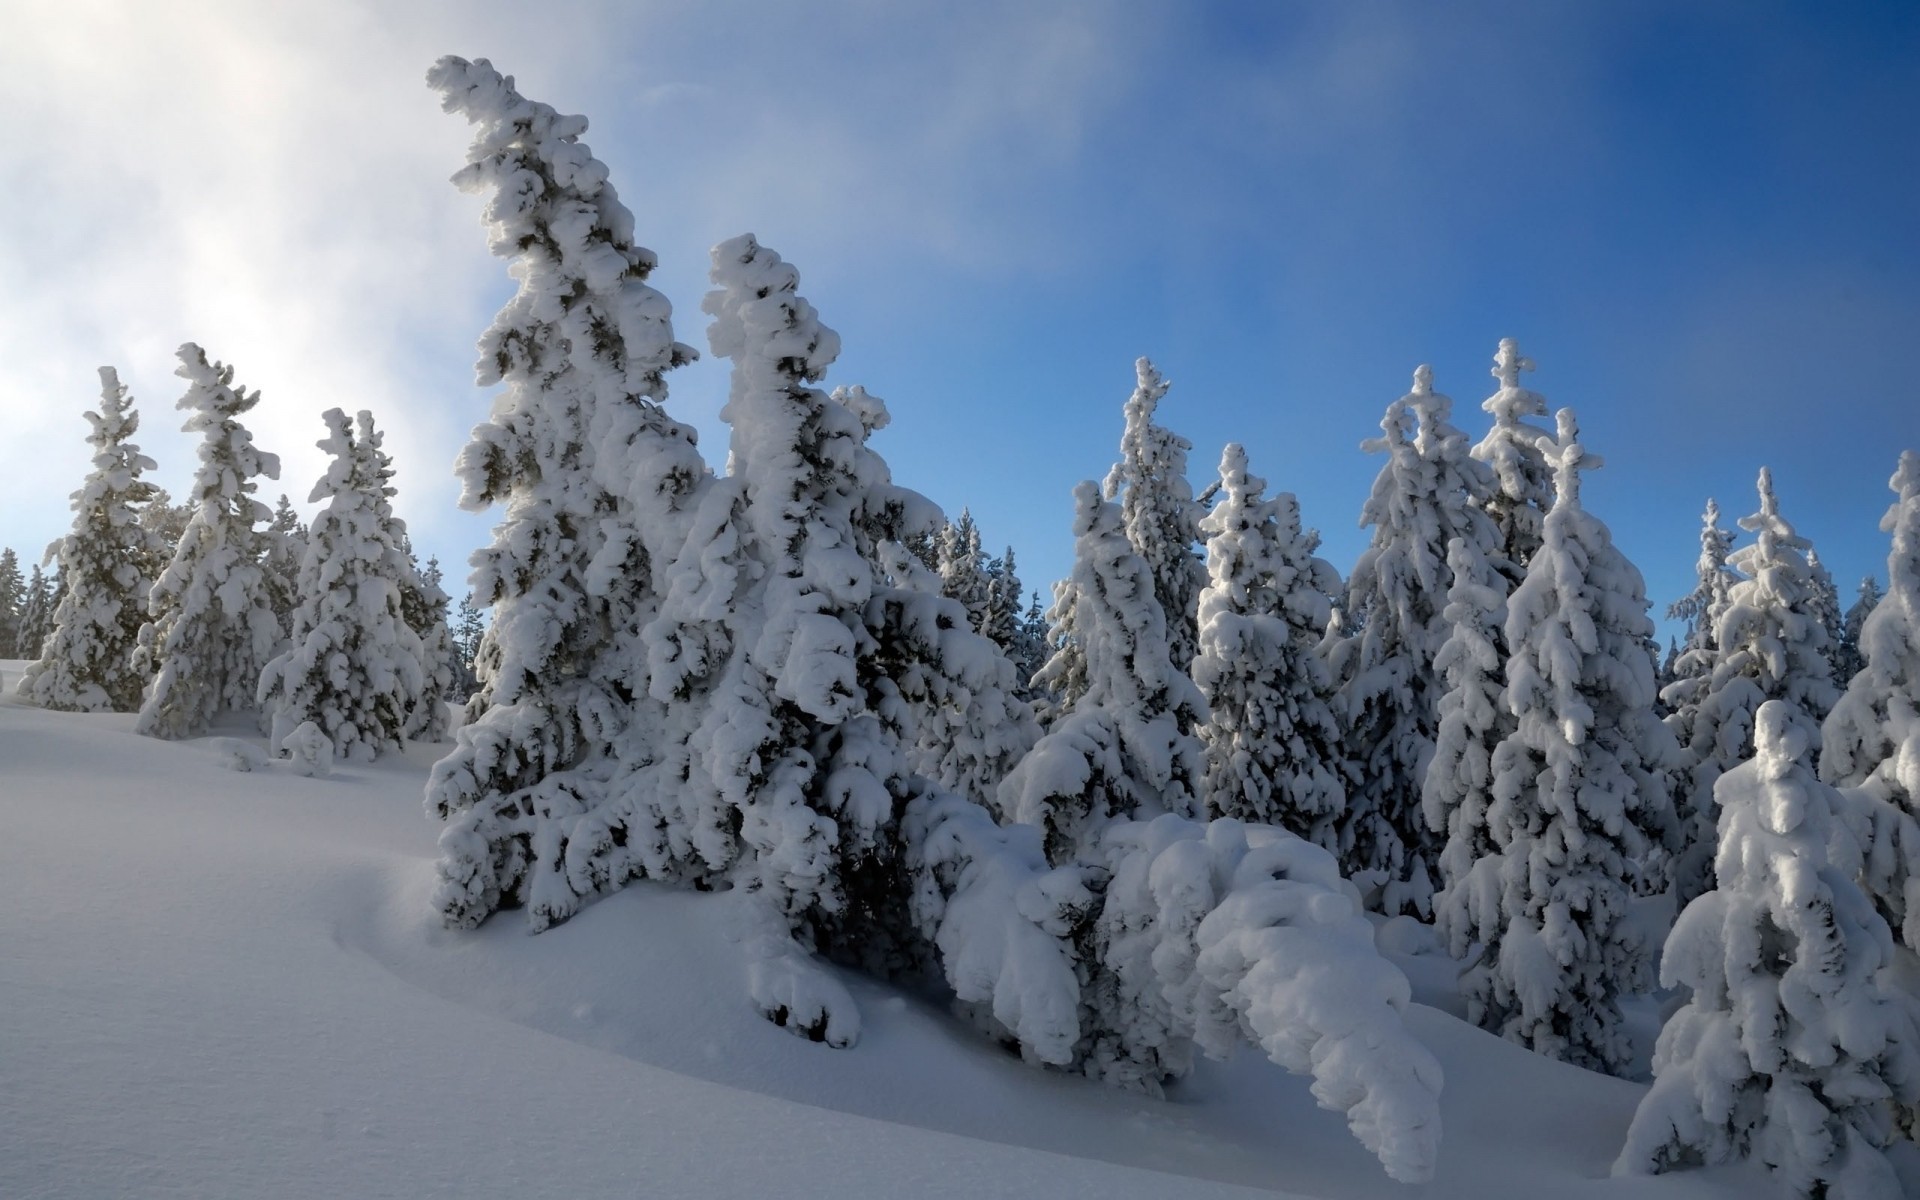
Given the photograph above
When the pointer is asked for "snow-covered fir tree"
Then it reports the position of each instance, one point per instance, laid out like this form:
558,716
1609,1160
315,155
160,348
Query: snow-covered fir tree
1457,797
36,614
1700,610
1574,788
1825,608
1005,598
352,667
286,541
1121,748
1523,484
1428,493
212,626
963,570
165,519
1158,511
1796,1043
1272,741
107,566
423,606
13,603
1687,685
593,477
1768,644
809,681
467,629
1871,741
1847,659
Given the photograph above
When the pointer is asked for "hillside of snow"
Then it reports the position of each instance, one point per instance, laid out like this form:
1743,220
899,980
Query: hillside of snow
231,983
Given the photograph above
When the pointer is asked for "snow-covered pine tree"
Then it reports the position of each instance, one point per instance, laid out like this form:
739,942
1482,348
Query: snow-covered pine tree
166,520
1429,492
107,564
1158,511
1004,599
1700,609
286,540
1768,645
1796,1043
1523,484
352,666
593,476
807,680
467,629
1574,787
1474,721
423,606
1827,611
1689,684
212,628
1871,741
34,615
1847,657
1121,749
13,603
963,570
1272,741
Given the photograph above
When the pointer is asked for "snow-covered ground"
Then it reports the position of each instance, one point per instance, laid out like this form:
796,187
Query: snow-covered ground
221,983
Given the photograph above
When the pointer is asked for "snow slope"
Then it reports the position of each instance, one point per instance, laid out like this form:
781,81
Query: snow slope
232,984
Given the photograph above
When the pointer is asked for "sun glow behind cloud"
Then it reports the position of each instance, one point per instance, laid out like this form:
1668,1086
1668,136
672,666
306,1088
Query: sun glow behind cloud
999,207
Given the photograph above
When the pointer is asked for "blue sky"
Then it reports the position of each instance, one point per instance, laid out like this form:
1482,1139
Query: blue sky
1698,218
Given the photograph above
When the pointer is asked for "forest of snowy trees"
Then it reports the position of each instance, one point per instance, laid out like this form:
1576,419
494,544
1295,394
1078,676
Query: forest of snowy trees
1163,814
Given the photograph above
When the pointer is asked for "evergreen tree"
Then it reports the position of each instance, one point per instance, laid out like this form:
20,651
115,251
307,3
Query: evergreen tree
594,478
1824,608
286,542
1796,1042
1574,786
1428,493
423,605
34,614
1523,484
963,570
1687,686
1769,645
1871,742
166,520
1457,799
212,628
468,628
1158,511
1847,660
353,665
107,565
1004,597
1121,749
1272,742
811,686
13,604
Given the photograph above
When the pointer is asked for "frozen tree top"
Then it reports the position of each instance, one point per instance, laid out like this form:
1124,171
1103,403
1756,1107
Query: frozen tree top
1568,458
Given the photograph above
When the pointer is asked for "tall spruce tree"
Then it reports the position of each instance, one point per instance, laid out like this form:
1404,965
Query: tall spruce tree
1523,483
592,474
1272,741
212,626
1428,493
1457,796
1158,511
107,565
1122,749
13,603
1796,1042
1574,787
1847,657
352,667
423,605
1871,741
1769,644
963,570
